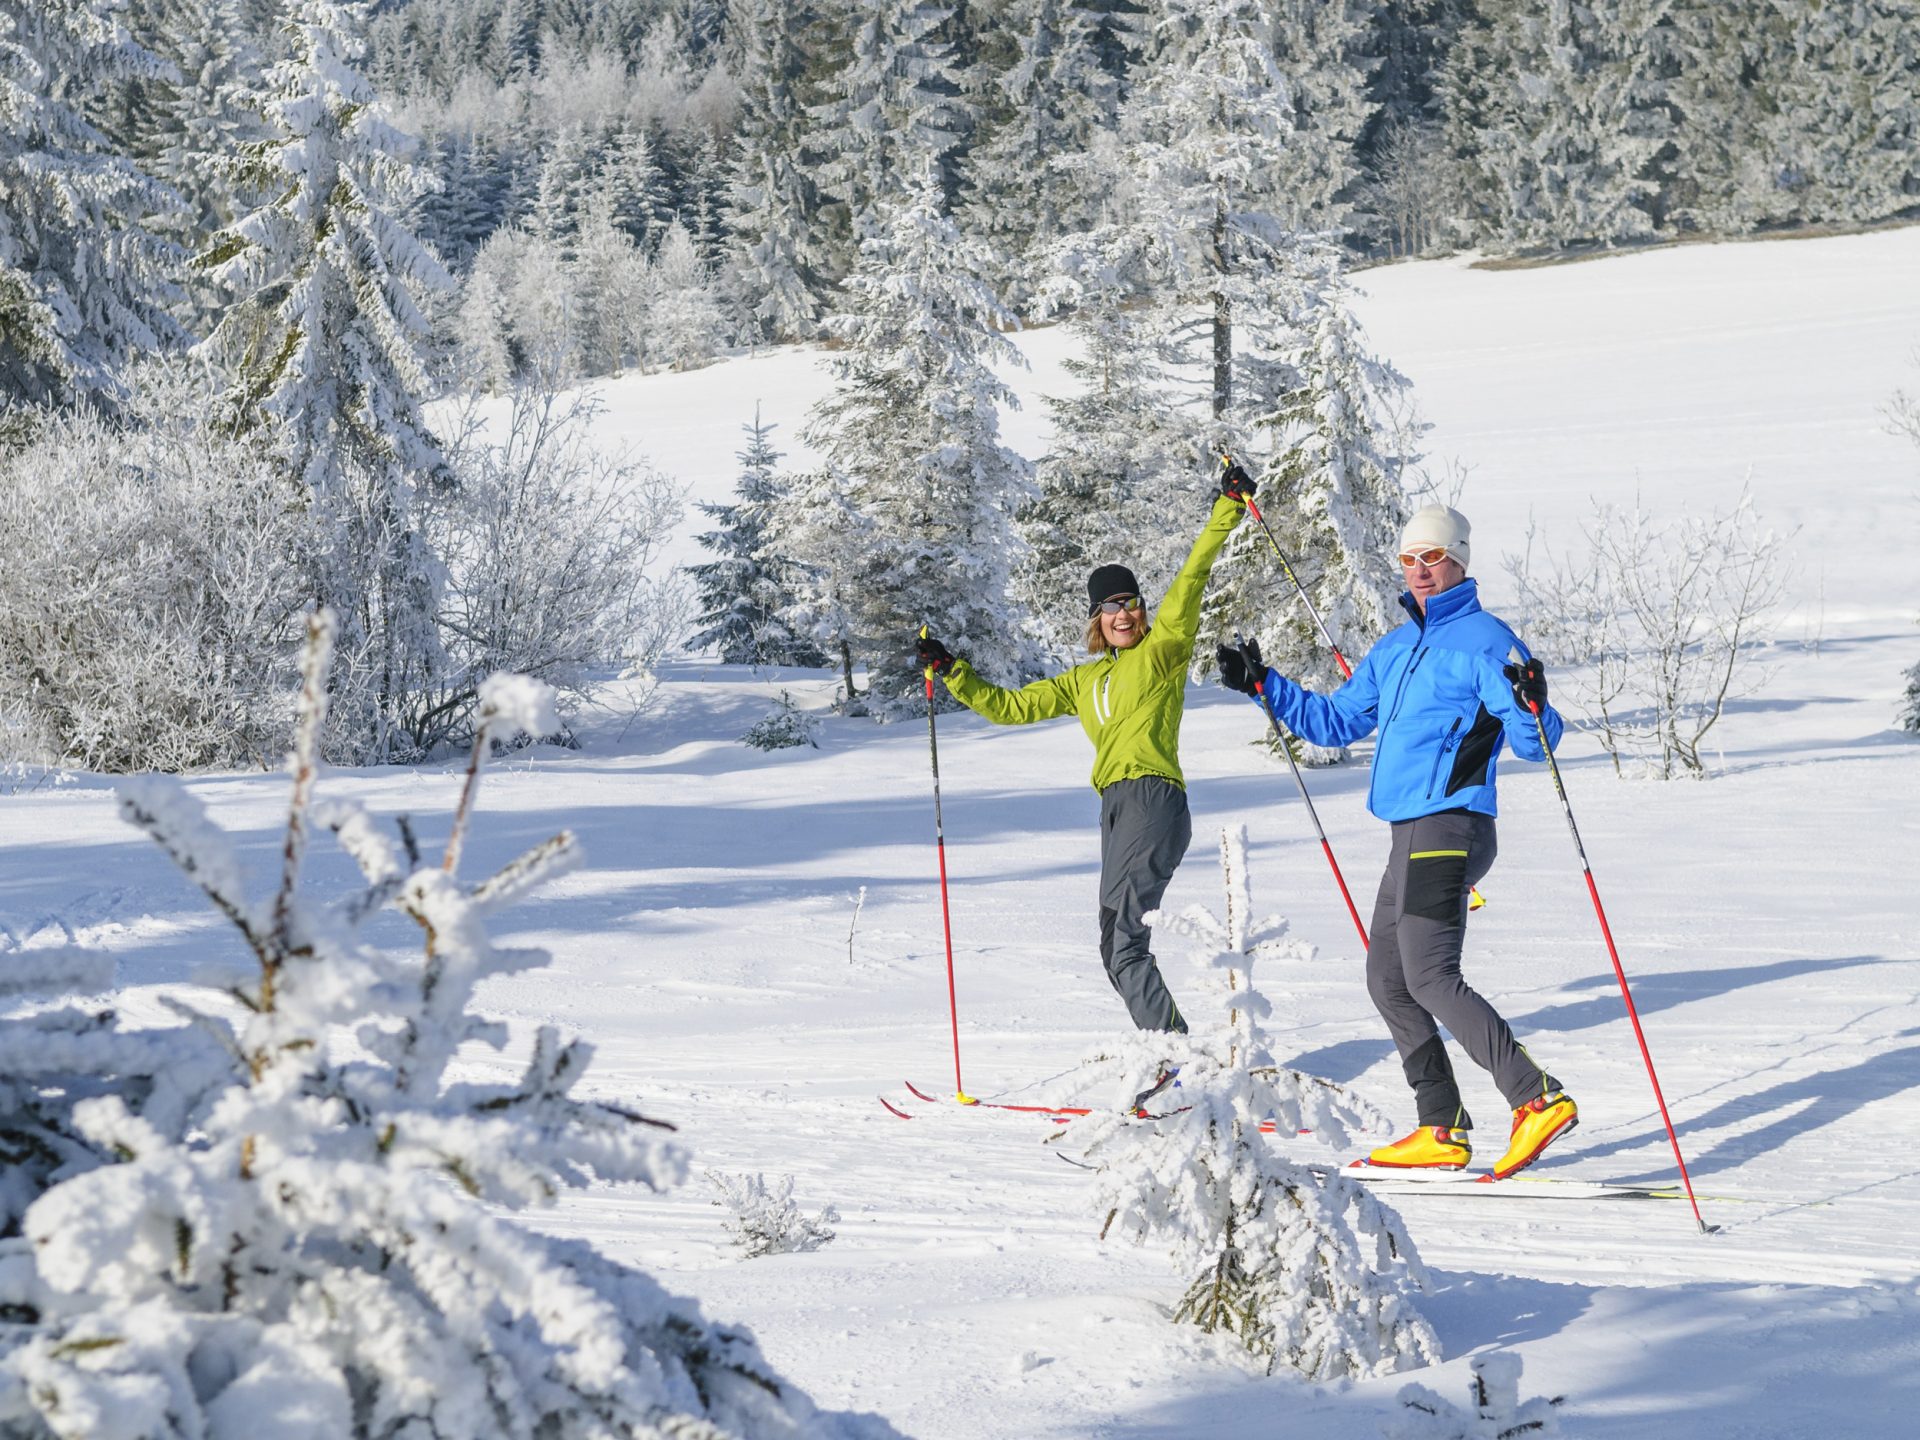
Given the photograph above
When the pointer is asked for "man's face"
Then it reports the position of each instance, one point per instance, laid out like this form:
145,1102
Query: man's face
1428,572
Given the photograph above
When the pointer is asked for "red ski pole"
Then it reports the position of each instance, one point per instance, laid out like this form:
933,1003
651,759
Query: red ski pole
1325,846
946,923
1606,932
1286,568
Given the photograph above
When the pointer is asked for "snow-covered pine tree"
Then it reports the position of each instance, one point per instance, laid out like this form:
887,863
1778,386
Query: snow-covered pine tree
743,591
633,182
772,203
1319,46
326,339
684,326
1340,426
911,436
85,273
611,284
1559,112
1125,457
1209,124
1053,99
1300,1264
1844,136
316,1243
1907,716
895,106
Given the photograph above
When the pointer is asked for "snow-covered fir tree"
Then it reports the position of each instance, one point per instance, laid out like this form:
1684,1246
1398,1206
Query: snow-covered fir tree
634,184
1125,459
1318,45
85,273
326,340
288,1217
1843,137
743,591
1055,98
772,202
1299,1264
1338,432
910,438
610,285
895,106
1559,112
684,326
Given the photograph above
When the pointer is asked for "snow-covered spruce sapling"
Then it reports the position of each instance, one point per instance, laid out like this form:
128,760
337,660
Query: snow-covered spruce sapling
783,727
1298,1263
315,1245
763,1219
1497,1412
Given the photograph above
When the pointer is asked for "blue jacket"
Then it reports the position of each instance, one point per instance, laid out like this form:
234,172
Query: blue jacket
1434,690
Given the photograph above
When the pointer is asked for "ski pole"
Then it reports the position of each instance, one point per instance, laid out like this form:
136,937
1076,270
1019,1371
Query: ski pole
946,923
1286,568
1606,932
1299,780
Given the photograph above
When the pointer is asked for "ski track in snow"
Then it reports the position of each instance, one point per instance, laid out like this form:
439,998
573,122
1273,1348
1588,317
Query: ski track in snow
1766,918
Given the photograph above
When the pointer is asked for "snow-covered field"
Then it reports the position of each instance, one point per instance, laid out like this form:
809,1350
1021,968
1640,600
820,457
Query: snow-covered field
1768,917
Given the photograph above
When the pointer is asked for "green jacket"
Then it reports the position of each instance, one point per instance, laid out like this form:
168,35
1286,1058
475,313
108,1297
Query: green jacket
1129,701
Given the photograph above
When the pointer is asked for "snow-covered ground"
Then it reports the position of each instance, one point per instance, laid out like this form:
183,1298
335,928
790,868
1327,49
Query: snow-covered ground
1767,916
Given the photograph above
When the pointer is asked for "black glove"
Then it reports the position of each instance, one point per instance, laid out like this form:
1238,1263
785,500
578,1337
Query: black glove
932,655
1529,683
1241,667
1236,483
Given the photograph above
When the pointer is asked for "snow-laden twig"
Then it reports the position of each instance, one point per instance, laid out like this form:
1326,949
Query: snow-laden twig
1496,1411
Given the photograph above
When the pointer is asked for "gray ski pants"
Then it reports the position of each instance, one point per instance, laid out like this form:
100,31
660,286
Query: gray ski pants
1144,830
1413,966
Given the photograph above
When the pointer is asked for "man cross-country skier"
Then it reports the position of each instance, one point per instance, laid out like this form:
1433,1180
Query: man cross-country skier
1129,698
1443,697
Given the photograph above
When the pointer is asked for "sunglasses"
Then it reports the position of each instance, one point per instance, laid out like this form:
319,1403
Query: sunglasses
1432,555
1115,606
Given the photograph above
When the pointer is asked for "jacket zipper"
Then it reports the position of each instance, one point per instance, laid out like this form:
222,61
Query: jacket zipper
1446,746
1399,695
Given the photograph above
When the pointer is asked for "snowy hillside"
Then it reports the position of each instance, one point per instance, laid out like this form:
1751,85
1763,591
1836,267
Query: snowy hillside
710,948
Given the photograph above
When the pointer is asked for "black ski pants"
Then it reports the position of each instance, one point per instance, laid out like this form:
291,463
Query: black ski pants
1145,828
1413,966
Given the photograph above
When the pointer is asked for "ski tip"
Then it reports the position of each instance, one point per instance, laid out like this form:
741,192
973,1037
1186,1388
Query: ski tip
893,1109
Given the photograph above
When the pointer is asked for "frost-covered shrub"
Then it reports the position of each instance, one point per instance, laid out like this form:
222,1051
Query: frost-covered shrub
1298,1263
783,727
1497,1411
287,1218
1655,625
152,574
764,1220
549,547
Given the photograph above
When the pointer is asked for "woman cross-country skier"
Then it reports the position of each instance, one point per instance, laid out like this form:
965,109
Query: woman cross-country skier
1129,698
1443,697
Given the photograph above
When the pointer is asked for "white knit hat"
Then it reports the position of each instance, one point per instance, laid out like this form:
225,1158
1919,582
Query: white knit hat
1438,525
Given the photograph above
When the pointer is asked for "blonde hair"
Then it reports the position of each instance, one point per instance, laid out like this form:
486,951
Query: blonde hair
1097,638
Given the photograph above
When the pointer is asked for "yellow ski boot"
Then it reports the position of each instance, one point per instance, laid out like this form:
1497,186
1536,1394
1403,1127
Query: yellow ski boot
1431,1147
1536,1124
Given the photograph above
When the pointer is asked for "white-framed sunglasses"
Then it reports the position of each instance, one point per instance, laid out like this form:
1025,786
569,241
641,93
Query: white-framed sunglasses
1426,555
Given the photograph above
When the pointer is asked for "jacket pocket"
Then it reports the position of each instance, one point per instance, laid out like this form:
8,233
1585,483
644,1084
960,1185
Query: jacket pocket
1440,755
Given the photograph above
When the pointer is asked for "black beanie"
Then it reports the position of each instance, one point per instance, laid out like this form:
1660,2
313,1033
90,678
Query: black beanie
1107,582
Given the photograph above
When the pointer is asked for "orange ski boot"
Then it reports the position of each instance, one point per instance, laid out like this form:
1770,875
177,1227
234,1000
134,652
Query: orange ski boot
1431,1147
1536,1125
